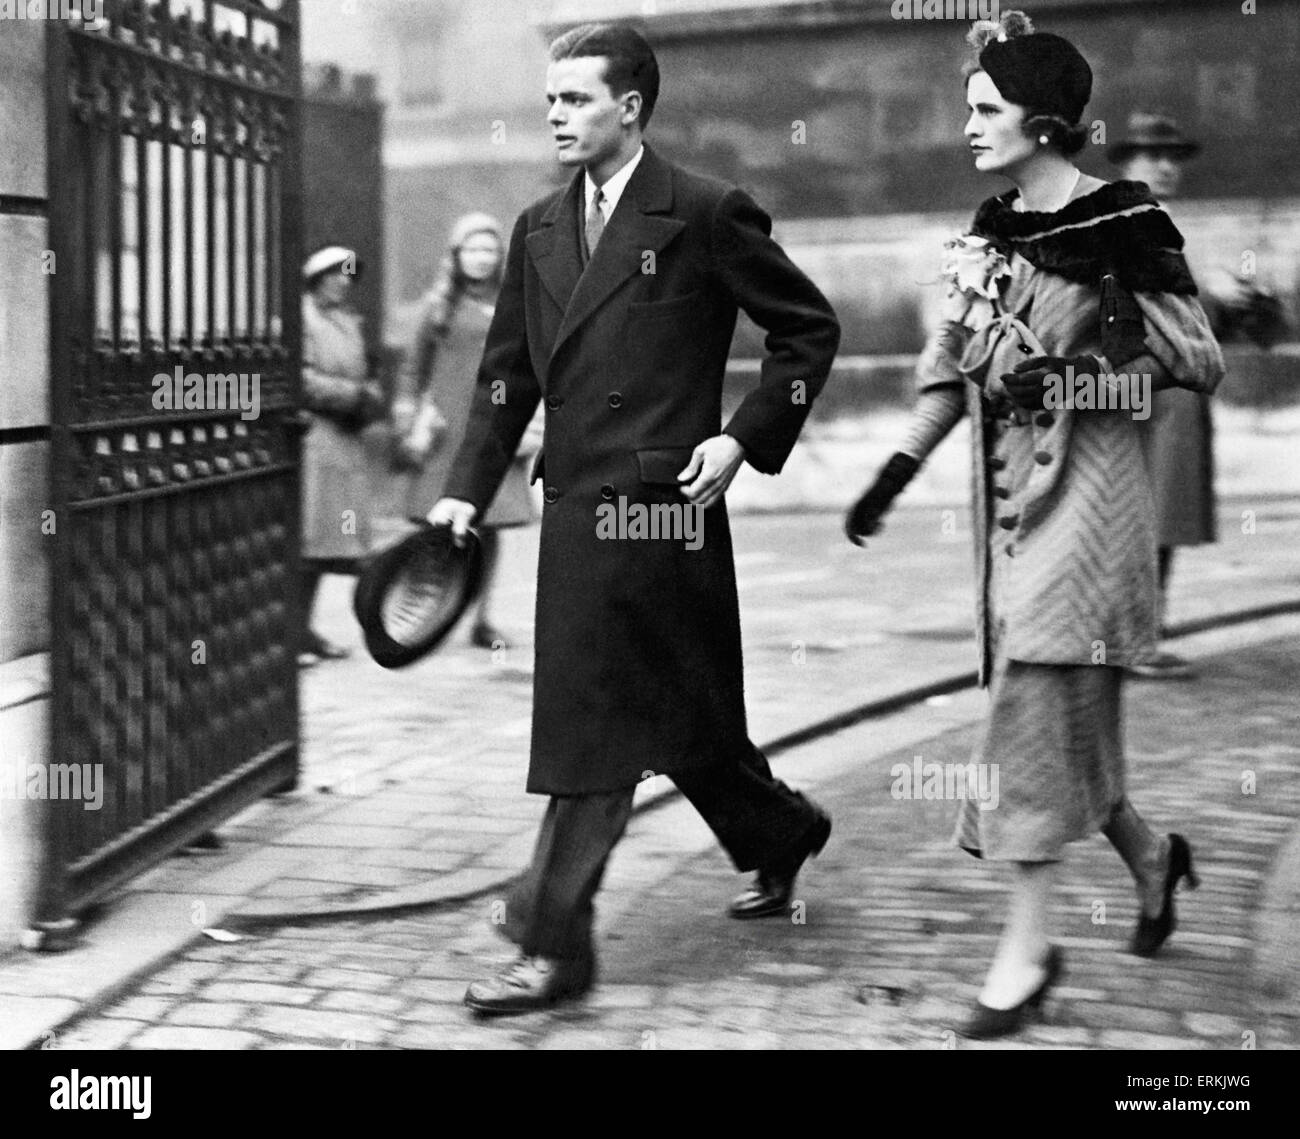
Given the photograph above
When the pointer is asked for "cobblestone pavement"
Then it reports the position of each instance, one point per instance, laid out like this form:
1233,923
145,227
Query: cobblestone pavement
887,943
415,775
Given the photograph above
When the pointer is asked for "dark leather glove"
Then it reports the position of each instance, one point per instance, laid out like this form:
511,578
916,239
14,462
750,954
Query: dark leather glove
1027,387
864,516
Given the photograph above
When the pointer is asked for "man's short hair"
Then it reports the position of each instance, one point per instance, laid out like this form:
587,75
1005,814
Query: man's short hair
630,63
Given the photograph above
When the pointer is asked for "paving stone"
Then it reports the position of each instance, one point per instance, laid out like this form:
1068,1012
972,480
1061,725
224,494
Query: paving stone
258,993
358,980
365,1003
319,1024
98,1033
1212,1025
208,1014
148,1009
178,1038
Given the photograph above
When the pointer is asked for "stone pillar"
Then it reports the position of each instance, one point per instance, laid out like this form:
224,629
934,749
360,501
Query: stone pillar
24,468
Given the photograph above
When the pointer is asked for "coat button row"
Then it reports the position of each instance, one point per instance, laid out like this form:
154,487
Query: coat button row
1002,491
615,399
1044,419
553,402
551,494
607,491
1042,458
1010,522
997,464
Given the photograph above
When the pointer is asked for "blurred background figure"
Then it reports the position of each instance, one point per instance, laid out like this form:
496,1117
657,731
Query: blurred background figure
341,401
438,390
1181,429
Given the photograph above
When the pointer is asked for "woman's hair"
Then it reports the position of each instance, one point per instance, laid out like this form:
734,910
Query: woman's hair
450,282
1068,138
1039,122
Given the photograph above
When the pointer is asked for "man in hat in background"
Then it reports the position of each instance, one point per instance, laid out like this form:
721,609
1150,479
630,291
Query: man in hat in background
617,311
1154,150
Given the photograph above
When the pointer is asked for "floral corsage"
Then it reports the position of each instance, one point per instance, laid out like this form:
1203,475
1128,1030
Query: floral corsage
976,271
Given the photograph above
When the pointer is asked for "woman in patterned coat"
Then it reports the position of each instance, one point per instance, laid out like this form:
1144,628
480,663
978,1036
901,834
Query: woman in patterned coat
1055,367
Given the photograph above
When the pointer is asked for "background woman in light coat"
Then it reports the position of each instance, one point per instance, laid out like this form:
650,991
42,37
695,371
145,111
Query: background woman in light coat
443,368
336,499
1063,511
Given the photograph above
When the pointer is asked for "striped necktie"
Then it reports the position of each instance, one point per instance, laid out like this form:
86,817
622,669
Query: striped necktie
595,225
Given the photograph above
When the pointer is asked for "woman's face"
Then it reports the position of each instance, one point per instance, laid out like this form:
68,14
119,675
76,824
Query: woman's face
479,256
993,131
333,288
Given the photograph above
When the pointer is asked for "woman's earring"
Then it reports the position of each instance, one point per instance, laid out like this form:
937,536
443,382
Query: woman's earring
1042,140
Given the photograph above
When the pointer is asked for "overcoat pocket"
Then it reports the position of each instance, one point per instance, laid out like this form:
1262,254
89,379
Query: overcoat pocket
639,311
659,466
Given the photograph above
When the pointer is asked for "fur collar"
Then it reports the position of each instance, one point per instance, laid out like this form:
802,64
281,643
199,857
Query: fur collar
1118,228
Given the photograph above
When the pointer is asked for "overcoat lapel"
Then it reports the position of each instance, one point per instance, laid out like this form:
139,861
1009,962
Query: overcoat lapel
636,229
554,248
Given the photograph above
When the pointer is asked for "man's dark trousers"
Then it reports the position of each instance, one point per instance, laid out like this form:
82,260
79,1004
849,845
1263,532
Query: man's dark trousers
758,820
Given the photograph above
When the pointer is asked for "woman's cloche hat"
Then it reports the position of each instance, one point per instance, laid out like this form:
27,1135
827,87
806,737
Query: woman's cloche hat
328,258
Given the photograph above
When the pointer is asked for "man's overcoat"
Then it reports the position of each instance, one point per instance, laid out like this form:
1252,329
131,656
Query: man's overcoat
638,651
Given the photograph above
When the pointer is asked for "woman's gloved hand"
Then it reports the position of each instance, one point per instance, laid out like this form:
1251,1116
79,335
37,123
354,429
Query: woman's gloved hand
864,516
1026,386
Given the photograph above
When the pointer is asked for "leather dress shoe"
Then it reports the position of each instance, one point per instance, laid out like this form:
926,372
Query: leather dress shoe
774,886
991,1023
1152,933
531,983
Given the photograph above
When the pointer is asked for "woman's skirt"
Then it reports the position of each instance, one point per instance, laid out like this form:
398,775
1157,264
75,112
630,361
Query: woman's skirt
1053,746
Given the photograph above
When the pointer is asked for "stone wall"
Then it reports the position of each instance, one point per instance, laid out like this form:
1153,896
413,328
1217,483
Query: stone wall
24,458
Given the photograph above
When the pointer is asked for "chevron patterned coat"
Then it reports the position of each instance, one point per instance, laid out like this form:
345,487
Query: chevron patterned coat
1068,492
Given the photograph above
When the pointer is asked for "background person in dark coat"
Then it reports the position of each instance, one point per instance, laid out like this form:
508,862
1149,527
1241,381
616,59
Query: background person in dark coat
617,309
1181,428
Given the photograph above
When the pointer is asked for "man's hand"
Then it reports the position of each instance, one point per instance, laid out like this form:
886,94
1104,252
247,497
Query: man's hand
453,512
712,467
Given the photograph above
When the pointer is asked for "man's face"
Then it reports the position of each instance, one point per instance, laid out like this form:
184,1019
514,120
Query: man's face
586,119
1159,169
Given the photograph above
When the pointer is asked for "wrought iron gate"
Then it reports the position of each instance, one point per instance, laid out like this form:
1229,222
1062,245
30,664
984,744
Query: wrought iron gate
174,221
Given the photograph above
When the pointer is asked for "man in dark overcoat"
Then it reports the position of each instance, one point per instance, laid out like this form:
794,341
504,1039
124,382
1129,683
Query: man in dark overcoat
617,311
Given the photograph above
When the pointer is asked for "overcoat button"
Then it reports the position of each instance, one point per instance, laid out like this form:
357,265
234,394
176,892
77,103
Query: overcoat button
553,402
1010,522
1002,491
997,464
1011,551
1045,419
615,399
607,492
1042,458
551,494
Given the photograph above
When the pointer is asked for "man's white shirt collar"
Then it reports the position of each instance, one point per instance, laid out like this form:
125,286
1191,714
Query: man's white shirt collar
613,189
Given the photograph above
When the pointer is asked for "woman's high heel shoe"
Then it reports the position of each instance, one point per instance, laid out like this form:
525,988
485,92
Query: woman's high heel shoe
989,1023
1152,933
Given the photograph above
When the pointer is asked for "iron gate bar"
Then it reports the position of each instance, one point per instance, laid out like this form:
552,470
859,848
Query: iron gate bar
174,525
